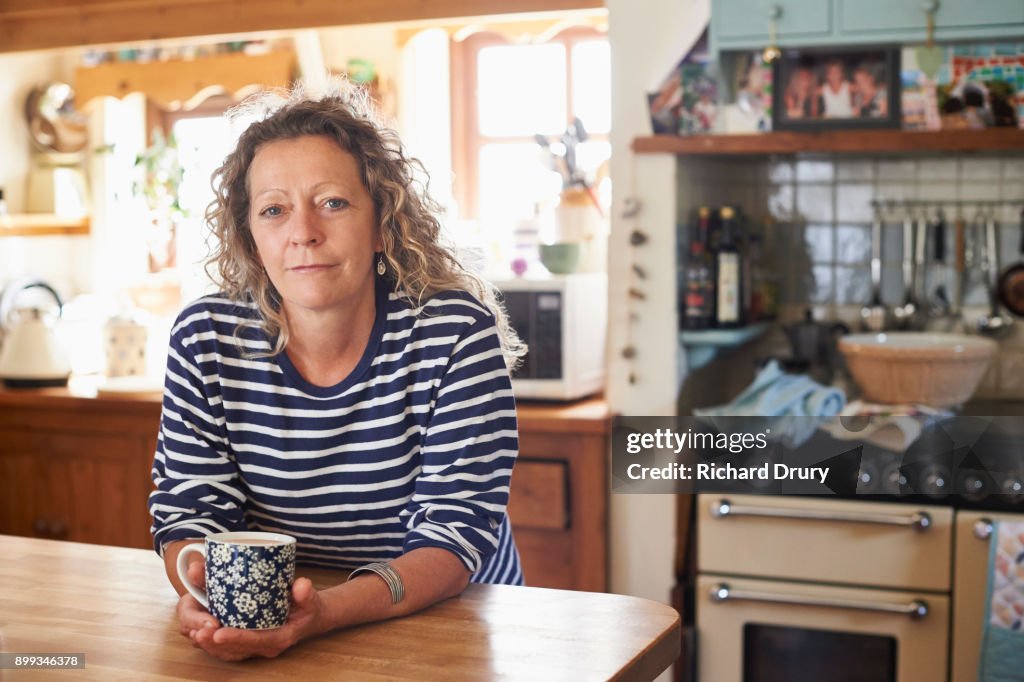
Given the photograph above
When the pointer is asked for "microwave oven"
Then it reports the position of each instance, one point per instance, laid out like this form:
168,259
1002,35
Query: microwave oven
562,320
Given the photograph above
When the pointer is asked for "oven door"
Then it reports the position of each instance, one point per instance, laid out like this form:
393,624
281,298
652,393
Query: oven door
772,631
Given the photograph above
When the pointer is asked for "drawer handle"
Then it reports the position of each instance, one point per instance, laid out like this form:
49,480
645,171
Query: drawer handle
983,528
918,520
916,609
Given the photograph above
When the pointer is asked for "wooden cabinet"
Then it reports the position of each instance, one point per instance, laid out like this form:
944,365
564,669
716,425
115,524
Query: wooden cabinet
877,19
76,469
749,21
746,24
559,498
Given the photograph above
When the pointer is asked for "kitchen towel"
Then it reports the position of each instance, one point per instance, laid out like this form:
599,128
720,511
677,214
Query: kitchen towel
893,427
1002,643
797,403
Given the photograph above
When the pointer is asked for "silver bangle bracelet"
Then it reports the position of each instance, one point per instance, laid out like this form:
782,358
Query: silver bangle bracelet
388,574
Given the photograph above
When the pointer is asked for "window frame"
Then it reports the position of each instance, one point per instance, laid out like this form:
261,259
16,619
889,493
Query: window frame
467,141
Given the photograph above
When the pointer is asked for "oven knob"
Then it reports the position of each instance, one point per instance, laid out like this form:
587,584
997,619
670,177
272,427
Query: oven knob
974,486
867,478
894,480
1013,486
935,481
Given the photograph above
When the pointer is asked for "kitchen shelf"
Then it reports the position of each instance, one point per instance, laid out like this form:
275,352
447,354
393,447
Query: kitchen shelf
834,141
41,225
703,345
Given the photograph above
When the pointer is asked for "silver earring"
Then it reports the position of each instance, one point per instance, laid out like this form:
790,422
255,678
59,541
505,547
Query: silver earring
380,265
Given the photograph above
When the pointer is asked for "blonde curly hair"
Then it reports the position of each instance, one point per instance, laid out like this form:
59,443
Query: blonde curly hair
418,265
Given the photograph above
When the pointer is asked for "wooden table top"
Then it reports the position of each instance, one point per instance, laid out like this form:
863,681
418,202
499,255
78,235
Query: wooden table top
115,605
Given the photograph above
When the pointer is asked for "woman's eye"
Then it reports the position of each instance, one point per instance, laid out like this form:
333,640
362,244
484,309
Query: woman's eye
336,203
271,211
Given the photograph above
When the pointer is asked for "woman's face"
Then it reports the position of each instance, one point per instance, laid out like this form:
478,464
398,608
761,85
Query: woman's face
314,223
834,75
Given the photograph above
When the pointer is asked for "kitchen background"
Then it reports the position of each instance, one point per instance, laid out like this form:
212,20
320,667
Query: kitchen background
813,209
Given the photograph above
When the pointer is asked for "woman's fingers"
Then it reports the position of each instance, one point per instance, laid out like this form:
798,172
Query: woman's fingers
197,571
192,616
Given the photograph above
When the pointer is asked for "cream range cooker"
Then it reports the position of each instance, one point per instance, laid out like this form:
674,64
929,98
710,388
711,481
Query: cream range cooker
885,585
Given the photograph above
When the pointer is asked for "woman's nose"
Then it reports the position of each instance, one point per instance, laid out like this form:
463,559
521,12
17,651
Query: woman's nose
305,228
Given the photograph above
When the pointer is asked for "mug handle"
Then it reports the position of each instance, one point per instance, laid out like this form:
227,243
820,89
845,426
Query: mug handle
197,548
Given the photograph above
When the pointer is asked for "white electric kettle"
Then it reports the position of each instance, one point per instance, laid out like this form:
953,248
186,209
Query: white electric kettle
31,355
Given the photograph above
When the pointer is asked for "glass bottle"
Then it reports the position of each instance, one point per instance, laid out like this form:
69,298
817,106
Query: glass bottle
699,308
729,273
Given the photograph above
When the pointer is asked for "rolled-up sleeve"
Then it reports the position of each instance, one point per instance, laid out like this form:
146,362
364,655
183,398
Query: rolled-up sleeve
468,449
196,478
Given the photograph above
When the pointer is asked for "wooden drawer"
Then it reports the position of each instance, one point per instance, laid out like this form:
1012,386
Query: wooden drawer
540,495
785,537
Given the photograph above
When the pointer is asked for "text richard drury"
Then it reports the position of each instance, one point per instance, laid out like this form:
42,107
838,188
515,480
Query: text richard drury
667,439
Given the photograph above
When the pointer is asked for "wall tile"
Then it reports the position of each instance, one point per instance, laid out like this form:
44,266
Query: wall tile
855,170
975,170
1013,168
852,285
896,190
939,191
814,203
780,202
853,202
1009,244
781,171
853,244
814,171
938,170
822,282
970,190
818,241
896,169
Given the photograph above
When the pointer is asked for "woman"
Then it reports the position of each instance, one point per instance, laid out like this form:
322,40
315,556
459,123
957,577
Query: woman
836,92
800,99
348,387
870,99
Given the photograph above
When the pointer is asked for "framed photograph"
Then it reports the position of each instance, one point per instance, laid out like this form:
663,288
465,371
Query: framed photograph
837,88
747,93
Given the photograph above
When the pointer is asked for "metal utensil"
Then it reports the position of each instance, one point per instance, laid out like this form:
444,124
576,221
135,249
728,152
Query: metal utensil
904,314
875,316
994,323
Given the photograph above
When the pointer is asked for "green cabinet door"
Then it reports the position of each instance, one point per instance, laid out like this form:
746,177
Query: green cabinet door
748,21
906,20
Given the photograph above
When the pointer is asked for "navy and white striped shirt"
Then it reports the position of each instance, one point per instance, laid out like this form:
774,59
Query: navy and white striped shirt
414,448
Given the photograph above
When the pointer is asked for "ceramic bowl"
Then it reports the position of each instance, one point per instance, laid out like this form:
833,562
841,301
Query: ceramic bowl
935,369
561,258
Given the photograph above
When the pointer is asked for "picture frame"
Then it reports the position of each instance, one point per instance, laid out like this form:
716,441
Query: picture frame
837,88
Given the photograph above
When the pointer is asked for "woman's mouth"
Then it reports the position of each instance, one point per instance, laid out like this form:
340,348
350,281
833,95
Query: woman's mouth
315,267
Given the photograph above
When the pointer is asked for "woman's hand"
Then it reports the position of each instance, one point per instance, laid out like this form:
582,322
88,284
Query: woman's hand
305,620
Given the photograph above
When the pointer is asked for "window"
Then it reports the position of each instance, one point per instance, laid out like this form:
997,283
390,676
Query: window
504,95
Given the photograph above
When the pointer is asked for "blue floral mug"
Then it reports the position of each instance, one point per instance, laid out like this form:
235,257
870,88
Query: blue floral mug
249,578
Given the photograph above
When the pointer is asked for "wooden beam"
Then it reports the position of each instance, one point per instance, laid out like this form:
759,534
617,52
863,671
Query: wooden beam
25,25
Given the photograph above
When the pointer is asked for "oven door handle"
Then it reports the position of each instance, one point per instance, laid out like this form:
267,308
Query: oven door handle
918,520
722,592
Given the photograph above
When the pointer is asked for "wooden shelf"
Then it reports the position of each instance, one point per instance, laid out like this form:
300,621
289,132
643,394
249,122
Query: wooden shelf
42,225
835,141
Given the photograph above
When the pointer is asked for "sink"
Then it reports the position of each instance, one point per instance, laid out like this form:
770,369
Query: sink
942,370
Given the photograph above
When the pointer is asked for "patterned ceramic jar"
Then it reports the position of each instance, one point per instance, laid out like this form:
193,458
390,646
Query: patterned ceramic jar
249,578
